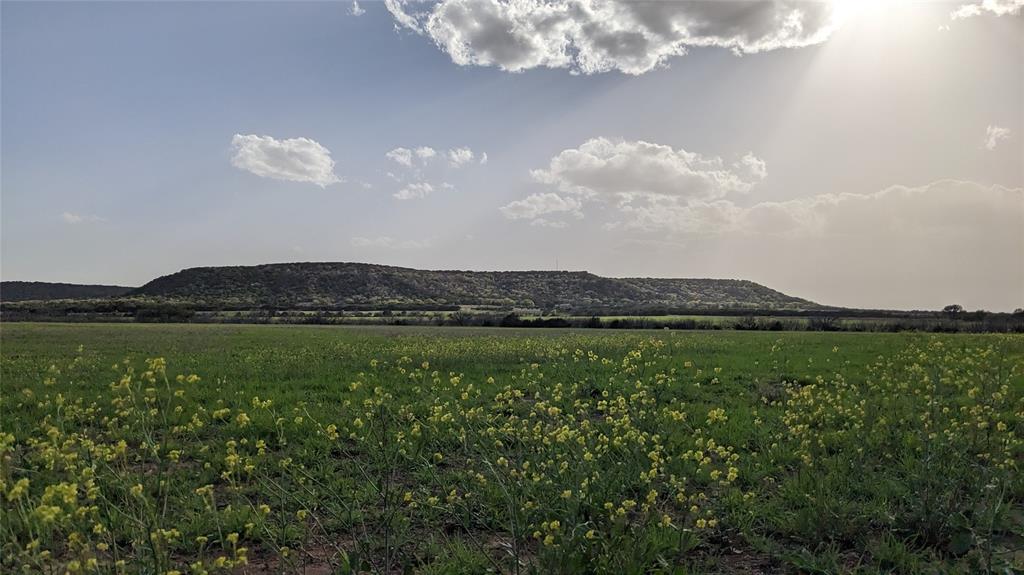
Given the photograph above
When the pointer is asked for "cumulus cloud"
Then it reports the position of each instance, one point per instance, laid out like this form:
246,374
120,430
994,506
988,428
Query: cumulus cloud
994,7
356,9
294,159
534,206
460,156
414,191
422,165
387,242
401,156
402,19
591,36
423,155
639,178
756,167
75,218
993,134
625,170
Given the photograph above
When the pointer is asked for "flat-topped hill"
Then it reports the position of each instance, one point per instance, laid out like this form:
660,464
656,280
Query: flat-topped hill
313,285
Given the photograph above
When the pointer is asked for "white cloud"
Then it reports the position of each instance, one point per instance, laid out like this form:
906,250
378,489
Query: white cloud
422,155
993,134
388,242
459,156
590,36
994,7
356,9
402,18
294,159
534,206
625,170
483,158
414,191
755,166
419,165
643,181
75,218
401,156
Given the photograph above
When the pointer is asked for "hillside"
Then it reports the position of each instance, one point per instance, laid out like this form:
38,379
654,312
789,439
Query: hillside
328,285
44,291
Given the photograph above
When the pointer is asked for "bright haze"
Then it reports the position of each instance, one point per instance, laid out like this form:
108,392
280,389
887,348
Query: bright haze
866,154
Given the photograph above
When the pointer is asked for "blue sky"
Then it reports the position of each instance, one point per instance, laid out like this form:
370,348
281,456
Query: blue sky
879,185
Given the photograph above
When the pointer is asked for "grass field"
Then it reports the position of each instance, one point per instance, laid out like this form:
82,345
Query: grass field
265,449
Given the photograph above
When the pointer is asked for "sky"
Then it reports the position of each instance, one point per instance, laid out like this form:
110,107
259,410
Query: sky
863,154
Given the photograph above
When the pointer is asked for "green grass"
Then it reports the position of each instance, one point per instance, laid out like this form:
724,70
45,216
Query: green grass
336,449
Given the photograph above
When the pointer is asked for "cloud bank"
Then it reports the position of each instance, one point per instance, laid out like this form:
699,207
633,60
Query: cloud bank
294,159
946,208
647,187
902,247
592,36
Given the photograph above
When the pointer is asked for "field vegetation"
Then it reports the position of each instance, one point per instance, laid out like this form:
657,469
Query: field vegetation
179,449
143,310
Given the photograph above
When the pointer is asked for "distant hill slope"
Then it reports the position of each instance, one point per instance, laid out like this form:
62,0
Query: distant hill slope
320,285
42,291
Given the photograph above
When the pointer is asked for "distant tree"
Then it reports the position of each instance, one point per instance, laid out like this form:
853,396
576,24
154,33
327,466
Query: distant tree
1018,311
459,318
511,320
823,323
953,310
